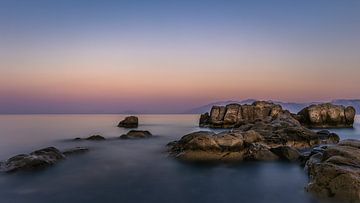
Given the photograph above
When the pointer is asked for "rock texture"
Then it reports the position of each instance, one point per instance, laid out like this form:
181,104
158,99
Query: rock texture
136,134
129,122
235,115
37,159
278,139
327,116
335,171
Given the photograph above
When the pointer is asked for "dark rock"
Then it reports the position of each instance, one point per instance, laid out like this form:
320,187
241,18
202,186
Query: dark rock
35,160
76,150
95,138
335,172
136,134
129,122
327,116
286,153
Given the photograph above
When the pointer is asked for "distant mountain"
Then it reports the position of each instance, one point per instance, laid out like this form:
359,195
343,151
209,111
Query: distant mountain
291,106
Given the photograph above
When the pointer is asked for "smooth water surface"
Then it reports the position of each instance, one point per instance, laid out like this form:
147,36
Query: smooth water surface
136,170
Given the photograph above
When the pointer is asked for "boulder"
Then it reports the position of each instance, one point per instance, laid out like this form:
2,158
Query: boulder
35,160
286,153
129,122
136,134
335,172
235,115
327,116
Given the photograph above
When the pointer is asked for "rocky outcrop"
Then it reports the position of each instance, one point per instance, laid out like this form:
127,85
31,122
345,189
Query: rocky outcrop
136,134
278,139
335,171
235,115
37,159
327,116
129,122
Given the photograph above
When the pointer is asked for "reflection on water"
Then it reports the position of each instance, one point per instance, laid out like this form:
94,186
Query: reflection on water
136,170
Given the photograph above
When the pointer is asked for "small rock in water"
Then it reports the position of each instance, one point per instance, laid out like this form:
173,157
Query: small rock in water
95,138
136,134
129,122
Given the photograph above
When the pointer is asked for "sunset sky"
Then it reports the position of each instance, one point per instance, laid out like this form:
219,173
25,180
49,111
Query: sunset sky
168,56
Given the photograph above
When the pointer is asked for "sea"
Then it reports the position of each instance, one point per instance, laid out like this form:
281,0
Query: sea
140,170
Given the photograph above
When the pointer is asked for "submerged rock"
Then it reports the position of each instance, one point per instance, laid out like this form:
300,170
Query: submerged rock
235,115
327,116
129,122
76,150
136,134
335,172
258,141
35,160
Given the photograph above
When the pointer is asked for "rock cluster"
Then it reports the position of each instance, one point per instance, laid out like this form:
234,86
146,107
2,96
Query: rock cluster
36,160
129,122
258,141
327,116
235,115
335,171
136,134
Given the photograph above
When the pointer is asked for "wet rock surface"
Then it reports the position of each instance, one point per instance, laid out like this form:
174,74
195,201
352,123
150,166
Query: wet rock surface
129,122
327,116
38,159
133,134
35,160
335,172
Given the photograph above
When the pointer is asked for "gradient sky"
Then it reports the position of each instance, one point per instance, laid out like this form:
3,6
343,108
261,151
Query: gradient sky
168,56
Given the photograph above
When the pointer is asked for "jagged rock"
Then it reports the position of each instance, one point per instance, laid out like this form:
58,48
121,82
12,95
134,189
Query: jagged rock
76,150
335,172
327,116
258,141
235,115
129,122
136,134
35,160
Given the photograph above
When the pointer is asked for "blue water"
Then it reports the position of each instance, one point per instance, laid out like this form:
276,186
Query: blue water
136,170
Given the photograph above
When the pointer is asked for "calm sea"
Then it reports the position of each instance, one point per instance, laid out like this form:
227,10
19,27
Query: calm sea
136,170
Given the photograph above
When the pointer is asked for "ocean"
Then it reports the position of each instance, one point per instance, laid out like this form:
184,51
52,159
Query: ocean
140,170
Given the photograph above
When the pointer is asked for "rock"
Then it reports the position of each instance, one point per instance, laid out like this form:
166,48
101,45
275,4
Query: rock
76,150
335,172
235,115
136,134
260,141
286,153
95,138
327,116
129,122
35,160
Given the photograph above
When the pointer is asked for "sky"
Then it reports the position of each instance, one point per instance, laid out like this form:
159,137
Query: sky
88,56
